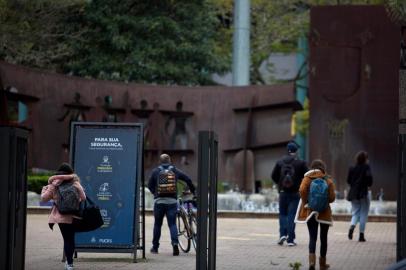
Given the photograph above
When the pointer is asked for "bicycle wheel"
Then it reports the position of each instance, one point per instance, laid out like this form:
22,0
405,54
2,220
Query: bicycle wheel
183,232
193,229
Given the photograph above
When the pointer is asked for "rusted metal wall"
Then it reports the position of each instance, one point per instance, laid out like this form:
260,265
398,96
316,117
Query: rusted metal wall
212,108
354,91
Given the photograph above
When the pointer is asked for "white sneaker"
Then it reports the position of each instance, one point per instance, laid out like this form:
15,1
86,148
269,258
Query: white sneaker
281,240
68,266
292,244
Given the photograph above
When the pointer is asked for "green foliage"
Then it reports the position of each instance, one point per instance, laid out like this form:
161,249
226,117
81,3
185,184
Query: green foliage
397,10
277,25
223,186
156,41
295,265
37,181
165,42
39,33
267,183
303,119
180,187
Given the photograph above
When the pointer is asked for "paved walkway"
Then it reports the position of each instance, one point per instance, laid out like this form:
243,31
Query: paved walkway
242,244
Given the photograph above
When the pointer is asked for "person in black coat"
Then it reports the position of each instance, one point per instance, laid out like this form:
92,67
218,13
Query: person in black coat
288,174
360,180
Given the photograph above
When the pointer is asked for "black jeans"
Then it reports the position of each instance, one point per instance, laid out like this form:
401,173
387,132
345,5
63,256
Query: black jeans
313,226
68,234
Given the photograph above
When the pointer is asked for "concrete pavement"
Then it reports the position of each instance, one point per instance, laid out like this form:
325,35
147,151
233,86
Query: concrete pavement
241,244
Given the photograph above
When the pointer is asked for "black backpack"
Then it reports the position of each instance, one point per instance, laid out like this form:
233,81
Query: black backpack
68,199
166,182
287,173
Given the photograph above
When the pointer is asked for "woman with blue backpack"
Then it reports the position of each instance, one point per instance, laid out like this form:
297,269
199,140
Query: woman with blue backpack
317,191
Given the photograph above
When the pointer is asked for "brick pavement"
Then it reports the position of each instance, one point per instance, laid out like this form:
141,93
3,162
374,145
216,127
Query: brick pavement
242,244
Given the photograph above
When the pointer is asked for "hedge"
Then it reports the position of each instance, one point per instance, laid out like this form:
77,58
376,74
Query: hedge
36,182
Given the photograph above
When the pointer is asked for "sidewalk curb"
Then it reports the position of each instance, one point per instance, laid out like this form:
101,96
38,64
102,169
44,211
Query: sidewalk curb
35,210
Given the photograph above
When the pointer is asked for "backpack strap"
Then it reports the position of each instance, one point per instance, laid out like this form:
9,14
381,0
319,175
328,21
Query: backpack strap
325,178
170,167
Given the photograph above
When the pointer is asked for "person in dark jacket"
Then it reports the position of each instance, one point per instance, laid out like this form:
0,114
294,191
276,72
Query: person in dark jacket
360,179
162,185
288,174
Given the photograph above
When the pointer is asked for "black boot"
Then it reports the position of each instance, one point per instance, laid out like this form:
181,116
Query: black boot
175,250
351,232
362,237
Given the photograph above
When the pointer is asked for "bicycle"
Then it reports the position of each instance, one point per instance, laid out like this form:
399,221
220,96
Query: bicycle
186,224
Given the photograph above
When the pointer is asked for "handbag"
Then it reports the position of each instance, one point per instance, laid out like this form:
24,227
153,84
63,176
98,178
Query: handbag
91,218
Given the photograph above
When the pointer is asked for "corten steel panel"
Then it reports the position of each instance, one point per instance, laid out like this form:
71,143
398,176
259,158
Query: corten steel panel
213,109
354,91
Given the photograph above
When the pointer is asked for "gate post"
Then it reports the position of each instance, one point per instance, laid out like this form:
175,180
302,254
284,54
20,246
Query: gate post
401,202
207,201
13,197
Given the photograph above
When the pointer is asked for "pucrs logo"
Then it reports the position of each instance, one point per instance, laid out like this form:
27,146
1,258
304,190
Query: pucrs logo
106,241
93,240
106,159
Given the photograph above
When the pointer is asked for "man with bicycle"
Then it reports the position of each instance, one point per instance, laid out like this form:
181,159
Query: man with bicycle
162,184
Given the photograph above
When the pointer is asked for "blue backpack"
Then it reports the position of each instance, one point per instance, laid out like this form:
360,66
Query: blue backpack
318,195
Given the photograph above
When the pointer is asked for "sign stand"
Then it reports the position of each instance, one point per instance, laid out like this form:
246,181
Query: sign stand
108,158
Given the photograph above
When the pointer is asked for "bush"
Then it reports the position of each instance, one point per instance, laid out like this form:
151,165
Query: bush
267,183
37,181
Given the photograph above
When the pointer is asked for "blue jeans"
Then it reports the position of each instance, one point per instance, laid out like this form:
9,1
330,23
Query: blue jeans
359,212
288,203
160,210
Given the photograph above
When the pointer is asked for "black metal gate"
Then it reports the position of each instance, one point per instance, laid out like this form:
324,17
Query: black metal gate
13,197
401,207
207,201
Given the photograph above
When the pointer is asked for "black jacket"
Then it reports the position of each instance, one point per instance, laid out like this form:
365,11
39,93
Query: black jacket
179,175
359,178
300,169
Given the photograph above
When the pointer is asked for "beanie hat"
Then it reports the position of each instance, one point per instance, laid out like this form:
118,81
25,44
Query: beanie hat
65,168
292,147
